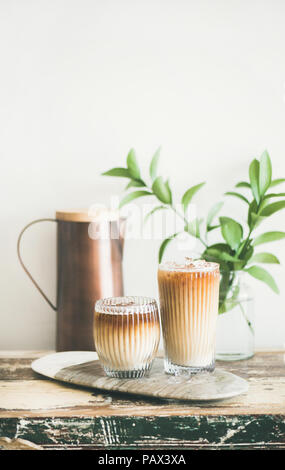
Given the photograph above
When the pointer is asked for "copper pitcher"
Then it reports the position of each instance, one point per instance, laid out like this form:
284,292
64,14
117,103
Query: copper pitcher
89,267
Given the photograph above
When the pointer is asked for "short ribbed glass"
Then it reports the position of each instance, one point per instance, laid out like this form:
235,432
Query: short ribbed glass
189,299
126,335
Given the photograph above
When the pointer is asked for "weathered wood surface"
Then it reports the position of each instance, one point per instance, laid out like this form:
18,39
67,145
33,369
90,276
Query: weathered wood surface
18,444
56,415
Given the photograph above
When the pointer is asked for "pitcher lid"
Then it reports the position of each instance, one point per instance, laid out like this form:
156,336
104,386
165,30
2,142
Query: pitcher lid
88,215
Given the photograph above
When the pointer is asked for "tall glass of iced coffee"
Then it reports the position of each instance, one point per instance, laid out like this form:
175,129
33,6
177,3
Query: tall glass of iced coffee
189,298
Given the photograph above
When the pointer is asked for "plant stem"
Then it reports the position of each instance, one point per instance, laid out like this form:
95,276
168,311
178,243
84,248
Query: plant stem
181,217
186,223
246,319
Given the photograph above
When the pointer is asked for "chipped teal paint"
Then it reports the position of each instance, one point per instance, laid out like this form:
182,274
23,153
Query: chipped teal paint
128,432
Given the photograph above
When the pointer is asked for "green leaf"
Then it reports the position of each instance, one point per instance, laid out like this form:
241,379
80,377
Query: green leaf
133,165
131,196
188,195
248,254
251,210
153,164
268,196
193,227
212,227
264,203
240,250
254,179
243,184
268,237
256,219
212,214
240,196
221,255
277,181
149,214
264,258
121,172
135,183
232,232
272,208
216,253
169,190
262,275
161,190
164,245
221,247
265,173
245,251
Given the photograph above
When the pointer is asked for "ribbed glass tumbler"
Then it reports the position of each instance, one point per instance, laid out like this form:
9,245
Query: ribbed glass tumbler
126,335
189,298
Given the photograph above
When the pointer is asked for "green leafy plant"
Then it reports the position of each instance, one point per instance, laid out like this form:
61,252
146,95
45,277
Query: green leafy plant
236,250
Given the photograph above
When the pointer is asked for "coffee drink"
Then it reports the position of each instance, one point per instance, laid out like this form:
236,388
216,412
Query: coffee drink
126,335
189,297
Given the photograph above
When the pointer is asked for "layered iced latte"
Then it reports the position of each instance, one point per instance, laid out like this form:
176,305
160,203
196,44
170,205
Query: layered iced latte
189,297
126,335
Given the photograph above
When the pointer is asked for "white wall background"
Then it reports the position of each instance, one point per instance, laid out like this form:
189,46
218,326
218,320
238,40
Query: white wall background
82,81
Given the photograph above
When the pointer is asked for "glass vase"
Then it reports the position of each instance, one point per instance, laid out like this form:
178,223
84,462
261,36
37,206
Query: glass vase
235,326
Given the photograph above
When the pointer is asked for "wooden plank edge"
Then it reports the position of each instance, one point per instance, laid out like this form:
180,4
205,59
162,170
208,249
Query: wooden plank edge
116,432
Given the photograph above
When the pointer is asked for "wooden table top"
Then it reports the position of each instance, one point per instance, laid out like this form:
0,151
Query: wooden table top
56,415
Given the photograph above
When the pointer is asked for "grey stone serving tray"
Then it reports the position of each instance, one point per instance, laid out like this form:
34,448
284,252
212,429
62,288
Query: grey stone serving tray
83,368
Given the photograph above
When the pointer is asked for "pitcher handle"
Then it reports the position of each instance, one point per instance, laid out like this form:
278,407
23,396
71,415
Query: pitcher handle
54,307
